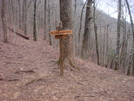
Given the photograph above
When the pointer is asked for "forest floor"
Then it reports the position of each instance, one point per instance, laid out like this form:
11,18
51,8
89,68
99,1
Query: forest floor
28,72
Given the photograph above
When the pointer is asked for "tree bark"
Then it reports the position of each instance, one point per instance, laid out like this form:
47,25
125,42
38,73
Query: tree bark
66,19
25,16
4,21
19,13
118,37
81,21
45,20
49,22
34,23
87,32
79,36
123,53
96,37
132,26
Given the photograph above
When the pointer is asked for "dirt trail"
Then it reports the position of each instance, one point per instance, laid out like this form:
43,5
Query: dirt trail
28,72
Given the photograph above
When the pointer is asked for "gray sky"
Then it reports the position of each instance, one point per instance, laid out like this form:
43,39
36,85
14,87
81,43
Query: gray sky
110,7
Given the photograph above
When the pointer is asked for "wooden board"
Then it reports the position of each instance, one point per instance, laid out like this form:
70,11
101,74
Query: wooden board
60,36
61,32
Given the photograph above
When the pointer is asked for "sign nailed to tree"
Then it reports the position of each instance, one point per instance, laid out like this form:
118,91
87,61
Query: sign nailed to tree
61,32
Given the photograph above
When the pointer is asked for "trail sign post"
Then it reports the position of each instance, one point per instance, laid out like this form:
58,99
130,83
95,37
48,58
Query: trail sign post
61,34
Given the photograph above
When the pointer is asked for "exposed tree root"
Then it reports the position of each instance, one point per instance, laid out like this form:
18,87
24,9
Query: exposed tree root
31,81
24,71
13,80
72,64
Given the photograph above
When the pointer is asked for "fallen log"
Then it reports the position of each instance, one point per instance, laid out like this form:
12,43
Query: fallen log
22,35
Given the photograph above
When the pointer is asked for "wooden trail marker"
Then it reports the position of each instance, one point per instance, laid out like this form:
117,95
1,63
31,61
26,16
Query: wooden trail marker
61,34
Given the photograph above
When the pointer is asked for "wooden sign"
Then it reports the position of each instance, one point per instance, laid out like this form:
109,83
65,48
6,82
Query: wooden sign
61,32
60,36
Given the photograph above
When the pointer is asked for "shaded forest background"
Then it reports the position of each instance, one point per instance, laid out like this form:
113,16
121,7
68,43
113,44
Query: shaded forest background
39,17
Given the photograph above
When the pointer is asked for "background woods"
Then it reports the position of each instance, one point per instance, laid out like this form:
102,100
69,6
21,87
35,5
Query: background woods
97,36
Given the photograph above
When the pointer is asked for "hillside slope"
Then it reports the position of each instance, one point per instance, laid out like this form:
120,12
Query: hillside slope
28,72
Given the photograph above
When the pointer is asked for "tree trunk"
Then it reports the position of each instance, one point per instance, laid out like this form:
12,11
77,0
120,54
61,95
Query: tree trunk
79,36
107,47
96,37
34,26
19,13
4,20
25,16
123,53
45,20
13,15
49,22
132,26
67,44
118,36
87,32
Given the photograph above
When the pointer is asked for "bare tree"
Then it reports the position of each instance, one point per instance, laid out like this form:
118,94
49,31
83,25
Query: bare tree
67,44
118,36
87,32
96,36
45,20
49,22
132,26
34,23
4,20
25,16
123,53
19,13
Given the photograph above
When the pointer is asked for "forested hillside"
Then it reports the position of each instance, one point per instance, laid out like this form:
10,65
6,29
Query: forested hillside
66,50
29,72
35,15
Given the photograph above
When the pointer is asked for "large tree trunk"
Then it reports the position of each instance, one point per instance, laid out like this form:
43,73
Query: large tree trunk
79,36
132,26
123,53
118,36
87,32
4,21
67,44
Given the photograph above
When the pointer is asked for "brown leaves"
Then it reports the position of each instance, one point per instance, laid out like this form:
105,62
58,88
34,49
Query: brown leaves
30,67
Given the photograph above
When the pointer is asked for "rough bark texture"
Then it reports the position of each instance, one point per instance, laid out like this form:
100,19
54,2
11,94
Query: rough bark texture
86,36
118,36
4,20
66,19
132,26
